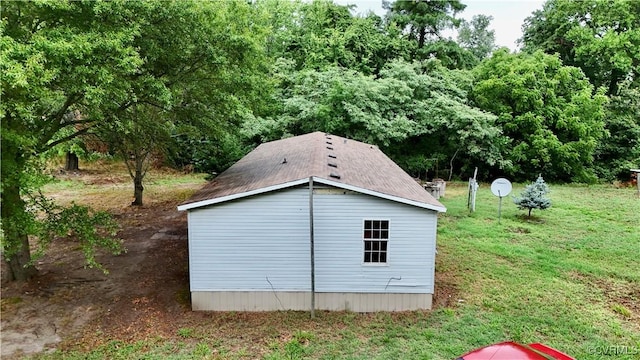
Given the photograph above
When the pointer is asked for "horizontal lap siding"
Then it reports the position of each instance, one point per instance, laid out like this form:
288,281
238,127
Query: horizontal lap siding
247,243
339,249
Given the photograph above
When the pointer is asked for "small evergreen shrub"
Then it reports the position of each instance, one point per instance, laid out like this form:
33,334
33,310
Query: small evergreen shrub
533,196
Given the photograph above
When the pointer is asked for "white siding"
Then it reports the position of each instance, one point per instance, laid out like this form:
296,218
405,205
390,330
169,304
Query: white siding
338,221
238,245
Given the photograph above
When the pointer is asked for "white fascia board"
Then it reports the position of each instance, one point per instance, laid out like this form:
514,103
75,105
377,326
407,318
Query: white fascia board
379,194
241,195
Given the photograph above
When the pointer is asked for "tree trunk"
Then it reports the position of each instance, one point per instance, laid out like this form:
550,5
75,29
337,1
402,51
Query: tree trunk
137,179
14,217
71,163
21,270
616,77
530,211
137,190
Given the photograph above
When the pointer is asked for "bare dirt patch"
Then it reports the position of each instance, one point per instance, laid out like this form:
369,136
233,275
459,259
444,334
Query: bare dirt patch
68,304
67,301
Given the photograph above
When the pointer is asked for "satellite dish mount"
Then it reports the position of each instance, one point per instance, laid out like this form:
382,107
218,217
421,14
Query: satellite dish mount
501,187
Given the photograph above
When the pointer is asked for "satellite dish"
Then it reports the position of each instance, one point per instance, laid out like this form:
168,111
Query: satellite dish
501,187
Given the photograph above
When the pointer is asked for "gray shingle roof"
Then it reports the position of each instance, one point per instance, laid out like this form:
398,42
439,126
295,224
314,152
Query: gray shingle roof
359,166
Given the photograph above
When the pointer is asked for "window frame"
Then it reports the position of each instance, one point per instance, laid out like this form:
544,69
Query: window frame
372,239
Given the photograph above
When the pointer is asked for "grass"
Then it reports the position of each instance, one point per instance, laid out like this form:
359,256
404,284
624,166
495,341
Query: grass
106,185
568,277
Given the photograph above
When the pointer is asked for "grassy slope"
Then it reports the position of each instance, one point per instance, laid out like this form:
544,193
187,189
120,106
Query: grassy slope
568,277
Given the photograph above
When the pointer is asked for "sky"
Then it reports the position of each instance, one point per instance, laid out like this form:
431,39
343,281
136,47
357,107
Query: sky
508,15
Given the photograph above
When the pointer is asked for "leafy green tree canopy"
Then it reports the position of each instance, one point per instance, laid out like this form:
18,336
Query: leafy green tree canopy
321,34
422,24
104,60
412,111
56,57
619,150
476,37
425,20
600,37
548,111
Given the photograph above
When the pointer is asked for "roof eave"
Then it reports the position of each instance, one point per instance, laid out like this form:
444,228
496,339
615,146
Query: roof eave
380,195
319,180
221,199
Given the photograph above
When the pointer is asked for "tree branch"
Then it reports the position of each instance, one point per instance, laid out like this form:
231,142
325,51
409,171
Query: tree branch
56,119
78,122
451,164
66,138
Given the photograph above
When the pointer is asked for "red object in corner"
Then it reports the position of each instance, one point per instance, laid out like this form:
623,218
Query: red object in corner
510,350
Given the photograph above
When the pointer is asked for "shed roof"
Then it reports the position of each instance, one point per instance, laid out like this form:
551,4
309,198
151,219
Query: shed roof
328,159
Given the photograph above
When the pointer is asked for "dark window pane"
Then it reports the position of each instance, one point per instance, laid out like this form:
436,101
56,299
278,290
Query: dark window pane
383,245
367,245
376,245
385,225
374,234
375,257
367,224
383,257
367,257
376,224
384,234
367,234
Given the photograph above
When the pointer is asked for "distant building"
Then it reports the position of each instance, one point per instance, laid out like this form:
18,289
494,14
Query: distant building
373,230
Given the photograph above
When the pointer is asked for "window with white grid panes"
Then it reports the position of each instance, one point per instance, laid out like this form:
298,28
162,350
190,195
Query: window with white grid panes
376,237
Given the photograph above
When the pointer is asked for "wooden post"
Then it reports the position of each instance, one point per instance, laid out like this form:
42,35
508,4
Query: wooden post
473,188
313,261
637,171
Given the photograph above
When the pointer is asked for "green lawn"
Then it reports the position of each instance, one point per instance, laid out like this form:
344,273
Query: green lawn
568,277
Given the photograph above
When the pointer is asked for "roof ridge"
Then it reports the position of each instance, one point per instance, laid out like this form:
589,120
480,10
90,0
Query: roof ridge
328,152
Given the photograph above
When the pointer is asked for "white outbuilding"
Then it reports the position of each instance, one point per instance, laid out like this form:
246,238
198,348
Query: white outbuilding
315,221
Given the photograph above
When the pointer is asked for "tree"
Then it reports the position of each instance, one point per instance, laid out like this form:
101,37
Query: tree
103,60
423,23
200,72
410,110
549,112
425,20
321,34
619,150
533,196
476,37
56,57
139,133
600,37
